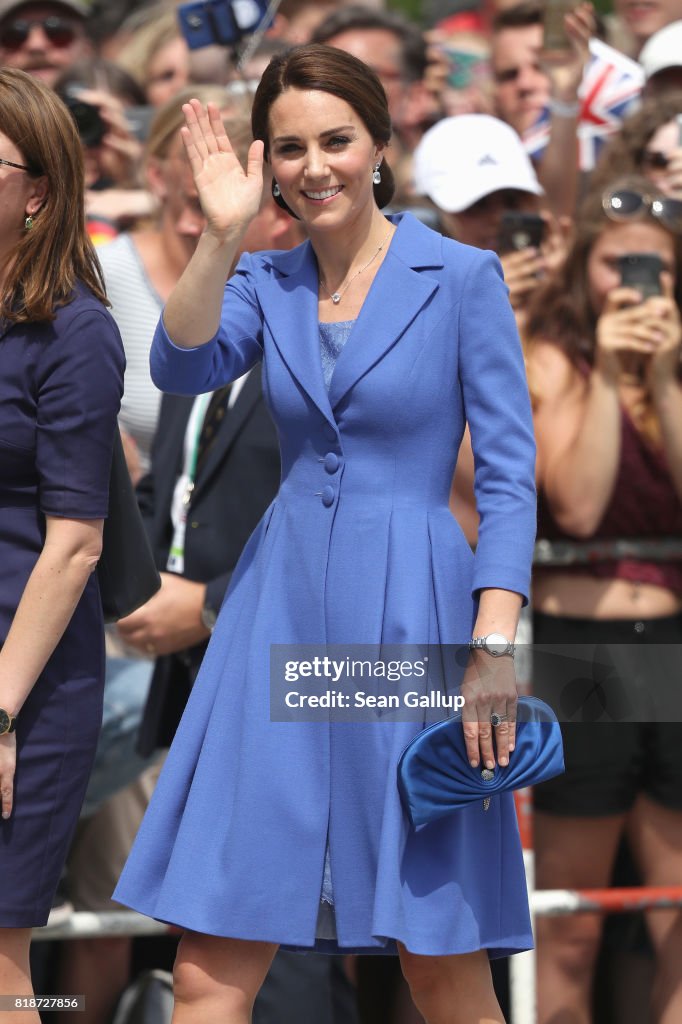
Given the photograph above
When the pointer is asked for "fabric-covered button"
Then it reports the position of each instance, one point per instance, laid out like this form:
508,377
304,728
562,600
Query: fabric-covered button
331,462
639,627
329,432
328,495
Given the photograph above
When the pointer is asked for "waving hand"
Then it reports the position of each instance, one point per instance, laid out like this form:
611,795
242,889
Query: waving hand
229,197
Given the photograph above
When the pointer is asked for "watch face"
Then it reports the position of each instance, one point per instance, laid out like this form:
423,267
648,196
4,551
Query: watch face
4,722
496,643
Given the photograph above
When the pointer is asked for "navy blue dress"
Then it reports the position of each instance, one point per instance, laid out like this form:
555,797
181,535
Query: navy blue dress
60,390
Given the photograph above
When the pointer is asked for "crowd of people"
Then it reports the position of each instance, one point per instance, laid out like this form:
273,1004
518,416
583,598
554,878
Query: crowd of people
336,494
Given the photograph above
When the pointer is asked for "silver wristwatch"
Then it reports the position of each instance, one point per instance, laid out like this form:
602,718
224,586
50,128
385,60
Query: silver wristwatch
209,617
494,643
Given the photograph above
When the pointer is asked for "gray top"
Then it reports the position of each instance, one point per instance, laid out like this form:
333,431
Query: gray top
332,339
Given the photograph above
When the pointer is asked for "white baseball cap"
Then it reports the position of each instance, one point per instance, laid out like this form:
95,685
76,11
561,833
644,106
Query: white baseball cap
462,159
662,50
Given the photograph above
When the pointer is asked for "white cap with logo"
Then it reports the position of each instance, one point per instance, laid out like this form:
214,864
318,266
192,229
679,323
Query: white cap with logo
462,159
662,50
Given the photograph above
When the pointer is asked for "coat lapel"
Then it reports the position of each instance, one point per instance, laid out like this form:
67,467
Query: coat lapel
289,305
399,291
397,295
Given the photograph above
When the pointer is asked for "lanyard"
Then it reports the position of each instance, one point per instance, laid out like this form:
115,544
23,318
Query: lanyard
182,495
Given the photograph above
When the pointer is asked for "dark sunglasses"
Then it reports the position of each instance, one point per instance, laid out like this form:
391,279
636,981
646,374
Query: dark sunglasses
654,160
627,204
60,31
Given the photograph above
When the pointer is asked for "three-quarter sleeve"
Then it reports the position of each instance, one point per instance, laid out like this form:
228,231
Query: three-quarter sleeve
497,407
79,388
236,347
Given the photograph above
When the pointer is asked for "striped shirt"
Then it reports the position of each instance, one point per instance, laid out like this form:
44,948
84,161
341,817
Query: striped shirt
136,307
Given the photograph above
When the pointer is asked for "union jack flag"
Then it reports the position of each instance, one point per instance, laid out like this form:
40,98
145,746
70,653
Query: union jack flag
609,91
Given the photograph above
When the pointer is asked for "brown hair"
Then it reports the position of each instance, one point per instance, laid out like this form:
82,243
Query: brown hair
560,310
57,251
315,66
528,12
623,153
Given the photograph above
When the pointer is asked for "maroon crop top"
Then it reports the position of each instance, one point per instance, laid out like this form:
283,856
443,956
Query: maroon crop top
644,504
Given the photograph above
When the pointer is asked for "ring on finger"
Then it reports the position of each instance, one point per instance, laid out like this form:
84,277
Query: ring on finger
497,719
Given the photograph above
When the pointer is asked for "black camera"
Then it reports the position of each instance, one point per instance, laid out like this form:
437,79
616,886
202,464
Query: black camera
89,122
220,22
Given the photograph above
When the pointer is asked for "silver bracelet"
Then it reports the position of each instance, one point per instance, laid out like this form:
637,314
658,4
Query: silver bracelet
561,109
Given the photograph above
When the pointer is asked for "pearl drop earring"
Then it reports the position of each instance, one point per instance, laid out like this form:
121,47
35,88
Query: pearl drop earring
376,176
276,190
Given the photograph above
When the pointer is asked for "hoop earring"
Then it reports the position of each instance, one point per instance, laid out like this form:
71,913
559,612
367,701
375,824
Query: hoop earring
28,223
276,190
376,176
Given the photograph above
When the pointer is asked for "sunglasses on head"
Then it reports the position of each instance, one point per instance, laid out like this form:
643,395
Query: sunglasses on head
60,31
628,204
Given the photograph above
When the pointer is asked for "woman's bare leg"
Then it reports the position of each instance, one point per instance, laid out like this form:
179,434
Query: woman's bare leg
216,981
15,972
655,834
571,853
452,989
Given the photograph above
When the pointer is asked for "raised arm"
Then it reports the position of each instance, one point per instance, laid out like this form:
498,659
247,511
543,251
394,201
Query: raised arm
230,198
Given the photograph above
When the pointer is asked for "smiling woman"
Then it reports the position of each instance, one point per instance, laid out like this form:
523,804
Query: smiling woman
379,338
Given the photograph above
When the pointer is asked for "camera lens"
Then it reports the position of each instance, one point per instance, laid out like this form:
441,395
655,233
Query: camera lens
89,123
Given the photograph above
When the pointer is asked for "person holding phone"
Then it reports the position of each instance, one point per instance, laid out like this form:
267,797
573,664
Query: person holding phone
378,338
475,171
605,372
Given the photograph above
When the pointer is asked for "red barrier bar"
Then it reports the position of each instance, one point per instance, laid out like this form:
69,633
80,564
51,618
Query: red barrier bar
607,901
523,800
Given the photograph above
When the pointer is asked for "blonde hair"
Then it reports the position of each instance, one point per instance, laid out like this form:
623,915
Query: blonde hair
136,56
169,118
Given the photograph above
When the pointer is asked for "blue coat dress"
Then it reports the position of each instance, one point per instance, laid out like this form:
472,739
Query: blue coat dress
358,547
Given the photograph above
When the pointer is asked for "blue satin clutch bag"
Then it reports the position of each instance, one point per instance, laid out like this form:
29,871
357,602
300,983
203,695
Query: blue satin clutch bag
435,777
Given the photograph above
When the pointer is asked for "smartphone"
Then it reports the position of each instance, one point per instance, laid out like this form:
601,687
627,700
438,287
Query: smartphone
641,270
555,40
219,22
520,231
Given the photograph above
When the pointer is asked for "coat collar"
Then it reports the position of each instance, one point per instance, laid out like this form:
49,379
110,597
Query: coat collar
397,294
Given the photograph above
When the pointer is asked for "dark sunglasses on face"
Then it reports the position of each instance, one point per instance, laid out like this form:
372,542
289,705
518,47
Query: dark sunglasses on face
654,160
60,31
628,204
507,75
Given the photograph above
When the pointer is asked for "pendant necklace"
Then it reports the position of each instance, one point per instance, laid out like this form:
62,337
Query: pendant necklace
337,295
